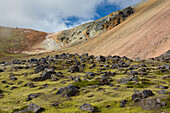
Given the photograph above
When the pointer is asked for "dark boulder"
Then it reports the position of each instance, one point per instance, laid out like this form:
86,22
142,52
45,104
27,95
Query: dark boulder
32,96
90,74
32,108
104,80
85,55
133,73
114,66
101,58
74,68
42,61
71,78
55,104
1,70
19,67
1,91
87,107
13,87
123,103
4,81
166,77
30,84
128,79
39,68
12,77
77,79
137,58
82,66
69,90
138,96
123,64
33,60
150,104
82,60
56,56
106,66
92,66
16,61
45,75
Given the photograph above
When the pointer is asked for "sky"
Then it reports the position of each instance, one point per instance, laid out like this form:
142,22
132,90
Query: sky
56,15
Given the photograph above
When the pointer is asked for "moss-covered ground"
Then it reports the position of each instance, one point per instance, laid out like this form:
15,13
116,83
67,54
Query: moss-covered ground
109,95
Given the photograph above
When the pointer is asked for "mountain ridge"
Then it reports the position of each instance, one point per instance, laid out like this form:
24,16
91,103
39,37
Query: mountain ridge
127,32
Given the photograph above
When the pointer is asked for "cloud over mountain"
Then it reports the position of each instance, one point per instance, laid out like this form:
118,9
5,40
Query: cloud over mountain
52,15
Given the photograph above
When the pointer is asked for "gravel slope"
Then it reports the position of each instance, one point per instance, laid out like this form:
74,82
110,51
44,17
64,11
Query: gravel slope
145,34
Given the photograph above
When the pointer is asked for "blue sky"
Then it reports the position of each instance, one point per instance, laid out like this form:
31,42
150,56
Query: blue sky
56,15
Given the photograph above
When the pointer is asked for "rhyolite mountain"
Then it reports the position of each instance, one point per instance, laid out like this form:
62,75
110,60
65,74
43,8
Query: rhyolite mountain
92,29
141,31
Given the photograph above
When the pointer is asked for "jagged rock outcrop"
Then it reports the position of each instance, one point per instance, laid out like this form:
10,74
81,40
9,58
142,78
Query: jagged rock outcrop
92,29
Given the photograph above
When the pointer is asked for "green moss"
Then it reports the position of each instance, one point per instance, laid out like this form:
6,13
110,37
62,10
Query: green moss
130,83
86,83
20,109
3,111
159,72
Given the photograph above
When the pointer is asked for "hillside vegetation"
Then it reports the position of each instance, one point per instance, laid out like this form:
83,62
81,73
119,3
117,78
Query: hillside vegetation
13,41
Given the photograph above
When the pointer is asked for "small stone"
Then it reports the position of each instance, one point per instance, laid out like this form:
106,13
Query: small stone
90,95
87,107
123,103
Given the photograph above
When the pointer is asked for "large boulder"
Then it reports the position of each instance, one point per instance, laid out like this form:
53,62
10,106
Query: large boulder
150,104
39,68
101,58
12,77
87,107
123,103
68,91
104,80
46,74
128,79
77,79
16,61
1,94
1,70
32,96
32,108
90,74
133,73
74,68
0,91
33,60
30,84
138,96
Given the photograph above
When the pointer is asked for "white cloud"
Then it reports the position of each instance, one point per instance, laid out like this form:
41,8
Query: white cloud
50,15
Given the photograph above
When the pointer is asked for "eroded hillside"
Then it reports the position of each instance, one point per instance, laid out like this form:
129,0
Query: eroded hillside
14,41
145,34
